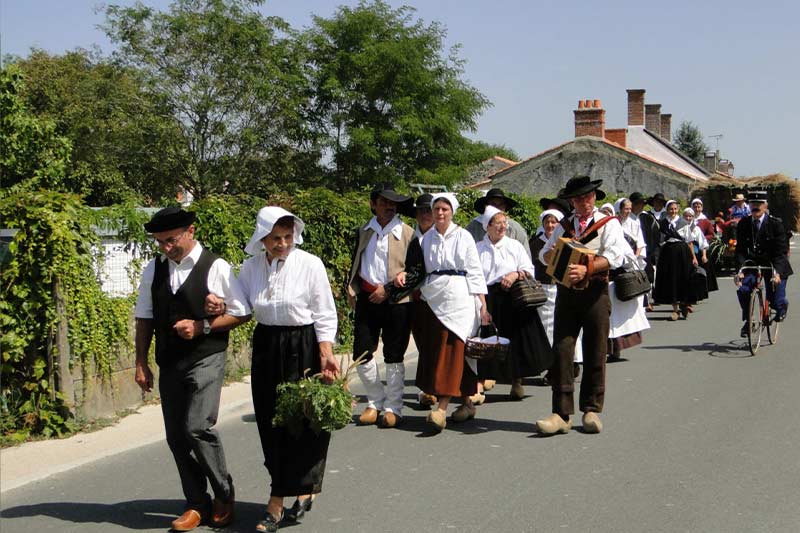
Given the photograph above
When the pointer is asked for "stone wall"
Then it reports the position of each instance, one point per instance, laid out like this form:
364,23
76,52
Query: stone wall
621,172
96,396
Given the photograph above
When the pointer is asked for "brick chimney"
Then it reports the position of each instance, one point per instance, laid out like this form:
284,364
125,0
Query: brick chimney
635,107
711,161
590,118
666,127
652,118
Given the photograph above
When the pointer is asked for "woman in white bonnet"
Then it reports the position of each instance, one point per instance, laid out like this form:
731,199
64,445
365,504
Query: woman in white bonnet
292,303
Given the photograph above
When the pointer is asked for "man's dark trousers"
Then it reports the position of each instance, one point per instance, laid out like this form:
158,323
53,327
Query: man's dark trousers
190,394
589,309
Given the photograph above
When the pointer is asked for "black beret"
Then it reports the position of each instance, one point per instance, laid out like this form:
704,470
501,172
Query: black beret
169,218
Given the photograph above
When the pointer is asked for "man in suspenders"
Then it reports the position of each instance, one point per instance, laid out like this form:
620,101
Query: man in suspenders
585,305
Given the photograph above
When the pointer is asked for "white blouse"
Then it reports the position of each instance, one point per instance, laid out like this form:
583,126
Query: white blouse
292,292
691,233
502,257
631,226
455,250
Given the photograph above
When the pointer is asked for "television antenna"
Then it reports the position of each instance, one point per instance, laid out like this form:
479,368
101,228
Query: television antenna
716,137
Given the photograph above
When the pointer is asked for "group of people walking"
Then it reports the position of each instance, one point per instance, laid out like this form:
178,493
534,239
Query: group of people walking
437,282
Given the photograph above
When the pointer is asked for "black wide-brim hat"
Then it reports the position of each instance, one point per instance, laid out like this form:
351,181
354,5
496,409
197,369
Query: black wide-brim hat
405,204
169,218
637,197
423,200
563,205
579,185
480,203
656,196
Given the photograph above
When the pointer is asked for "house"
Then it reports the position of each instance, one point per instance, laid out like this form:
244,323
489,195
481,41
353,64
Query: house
639,157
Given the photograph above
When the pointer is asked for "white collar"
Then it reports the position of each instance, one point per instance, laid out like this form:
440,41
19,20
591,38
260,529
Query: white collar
191,259
499,244
395,227
449,231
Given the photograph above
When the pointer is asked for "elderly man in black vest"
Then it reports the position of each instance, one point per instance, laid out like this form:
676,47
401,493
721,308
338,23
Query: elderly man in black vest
584,305
190,353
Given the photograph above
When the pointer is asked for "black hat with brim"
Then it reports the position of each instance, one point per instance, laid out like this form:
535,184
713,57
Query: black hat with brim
424,200
169,218
757,196
656,196
637,197
482,202
561,205
405,204
580,185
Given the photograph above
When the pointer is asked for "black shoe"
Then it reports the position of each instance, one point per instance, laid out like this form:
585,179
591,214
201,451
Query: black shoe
781,314
743,333
269,523
299,508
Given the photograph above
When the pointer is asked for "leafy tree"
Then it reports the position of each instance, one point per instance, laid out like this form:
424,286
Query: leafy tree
689,140
32,154
235,85
116,128
389,100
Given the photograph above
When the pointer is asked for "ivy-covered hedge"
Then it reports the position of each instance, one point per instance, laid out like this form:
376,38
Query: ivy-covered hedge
57,241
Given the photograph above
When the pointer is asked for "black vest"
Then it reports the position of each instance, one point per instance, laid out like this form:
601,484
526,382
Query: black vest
188,302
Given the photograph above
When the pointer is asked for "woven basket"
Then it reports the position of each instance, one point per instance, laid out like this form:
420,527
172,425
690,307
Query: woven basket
478,348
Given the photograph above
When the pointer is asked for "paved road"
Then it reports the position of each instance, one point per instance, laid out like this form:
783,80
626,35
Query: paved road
699,436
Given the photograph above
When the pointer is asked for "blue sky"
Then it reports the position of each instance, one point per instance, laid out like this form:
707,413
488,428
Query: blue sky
731,67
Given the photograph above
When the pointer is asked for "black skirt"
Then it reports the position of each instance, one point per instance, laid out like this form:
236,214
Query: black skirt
280,354
530,352
673,274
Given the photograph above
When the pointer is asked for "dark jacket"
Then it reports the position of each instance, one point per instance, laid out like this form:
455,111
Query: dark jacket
769,246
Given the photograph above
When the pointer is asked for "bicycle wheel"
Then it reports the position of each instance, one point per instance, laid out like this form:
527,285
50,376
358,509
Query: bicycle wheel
773,327
754,322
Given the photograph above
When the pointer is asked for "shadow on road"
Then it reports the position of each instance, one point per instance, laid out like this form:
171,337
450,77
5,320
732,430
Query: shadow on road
136,514
731,350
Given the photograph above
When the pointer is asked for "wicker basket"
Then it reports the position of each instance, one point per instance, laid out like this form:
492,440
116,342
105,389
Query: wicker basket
478,348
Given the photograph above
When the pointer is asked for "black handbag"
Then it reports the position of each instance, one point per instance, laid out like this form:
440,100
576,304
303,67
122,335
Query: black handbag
527,293
630,282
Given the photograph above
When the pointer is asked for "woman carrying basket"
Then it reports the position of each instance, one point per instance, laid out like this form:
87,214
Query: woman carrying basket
454,290
505,261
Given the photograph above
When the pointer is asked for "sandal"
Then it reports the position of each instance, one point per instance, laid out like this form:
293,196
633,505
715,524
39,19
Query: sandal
269,523
299,508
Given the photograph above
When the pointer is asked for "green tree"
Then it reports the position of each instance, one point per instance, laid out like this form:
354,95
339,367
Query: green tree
390,101
116,128
235,84
689,140
32,154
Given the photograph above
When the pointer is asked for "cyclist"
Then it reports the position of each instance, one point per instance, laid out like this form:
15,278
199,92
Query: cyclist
762,239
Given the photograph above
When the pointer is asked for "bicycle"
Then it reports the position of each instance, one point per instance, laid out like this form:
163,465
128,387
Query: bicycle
761,315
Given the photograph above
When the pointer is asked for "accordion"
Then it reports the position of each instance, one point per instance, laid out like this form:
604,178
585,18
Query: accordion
567,252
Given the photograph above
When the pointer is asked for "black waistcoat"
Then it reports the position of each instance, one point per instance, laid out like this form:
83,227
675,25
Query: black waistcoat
188,303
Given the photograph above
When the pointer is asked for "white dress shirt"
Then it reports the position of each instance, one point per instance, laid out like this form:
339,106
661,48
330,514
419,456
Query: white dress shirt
633,227
500,258
221,282
375,257
292,292
612,244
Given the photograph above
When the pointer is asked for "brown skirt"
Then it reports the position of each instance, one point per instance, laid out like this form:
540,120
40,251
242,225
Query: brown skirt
441,369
